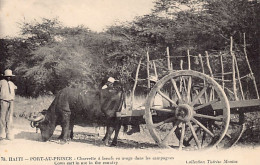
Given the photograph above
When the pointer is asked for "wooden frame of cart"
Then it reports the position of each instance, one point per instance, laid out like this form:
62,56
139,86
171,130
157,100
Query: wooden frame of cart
205,108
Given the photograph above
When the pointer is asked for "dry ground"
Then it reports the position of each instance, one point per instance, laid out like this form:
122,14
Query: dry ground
135,149
87,149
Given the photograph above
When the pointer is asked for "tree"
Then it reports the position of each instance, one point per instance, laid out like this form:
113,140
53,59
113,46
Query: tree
51,57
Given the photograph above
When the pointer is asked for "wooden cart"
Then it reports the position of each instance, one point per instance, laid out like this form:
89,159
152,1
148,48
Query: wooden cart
201,110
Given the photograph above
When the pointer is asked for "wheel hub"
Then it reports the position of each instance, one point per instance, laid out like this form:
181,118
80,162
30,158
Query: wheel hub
184,112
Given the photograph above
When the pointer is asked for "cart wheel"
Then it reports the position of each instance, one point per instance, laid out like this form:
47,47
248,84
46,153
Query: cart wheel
188,118
236,128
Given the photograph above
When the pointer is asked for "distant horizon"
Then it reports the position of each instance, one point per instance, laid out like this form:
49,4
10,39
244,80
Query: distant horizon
96,15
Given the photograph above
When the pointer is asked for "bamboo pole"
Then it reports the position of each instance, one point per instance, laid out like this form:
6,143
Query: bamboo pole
148,69
212,93
239,79
201,63
233,69
189,81
182,80
222,71
208,64
203,71
135,84
181,64
170,68
189,65
155,70
168,59
250,69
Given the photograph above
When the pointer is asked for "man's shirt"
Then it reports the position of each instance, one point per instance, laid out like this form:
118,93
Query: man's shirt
7,90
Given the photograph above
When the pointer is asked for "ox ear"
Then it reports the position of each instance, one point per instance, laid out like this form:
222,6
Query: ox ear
39,117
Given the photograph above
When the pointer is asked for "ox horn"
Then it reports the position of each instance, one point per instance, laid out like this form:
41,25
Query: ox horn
37,119
32,124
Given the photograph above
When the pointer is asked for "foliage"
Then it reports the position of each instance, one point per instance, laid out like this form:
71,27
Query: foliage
51,56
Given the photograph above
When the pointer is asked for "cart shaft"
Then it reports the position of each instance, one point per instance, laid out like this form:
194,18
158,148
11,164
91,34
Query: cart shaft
239,104
233,105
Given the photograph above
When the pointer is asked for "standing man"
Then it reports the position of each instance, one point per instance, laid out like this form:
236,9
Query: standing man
7,94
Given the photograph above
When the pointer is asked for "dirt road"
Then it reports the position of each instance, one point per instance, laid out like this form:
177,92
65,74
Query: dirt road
27,149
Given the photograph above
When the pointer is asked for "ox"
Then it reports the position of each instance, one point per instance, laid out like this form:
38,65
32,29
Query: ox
76,106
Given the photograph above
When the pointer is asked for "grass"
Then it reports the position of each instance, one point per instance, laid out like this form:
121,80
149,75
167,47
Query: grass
138,101
24,107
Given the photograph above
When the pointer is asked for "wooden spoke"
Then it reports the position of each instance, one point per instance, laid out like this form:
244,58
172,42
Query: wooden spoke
209,117
192,91
206,97
163,122
162,109
198,96
194,135
167,98
200,101
203,137
164,141
189,89
182,135
205,105
191,137
176,89
212,94
184,83
203,127
228,135
181,82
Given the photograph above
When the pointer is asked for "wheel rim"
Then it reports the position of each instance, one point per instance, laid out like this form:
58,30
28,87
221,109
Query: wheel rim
188,114
236,129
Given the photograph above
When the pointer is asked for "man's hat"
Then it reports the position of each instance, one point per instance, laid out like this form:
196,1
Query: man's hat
8,73
111,79
153,78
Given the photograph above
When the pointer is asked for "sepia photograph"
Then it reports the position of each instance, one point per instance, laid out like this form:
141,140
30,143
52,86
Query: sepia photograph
129,82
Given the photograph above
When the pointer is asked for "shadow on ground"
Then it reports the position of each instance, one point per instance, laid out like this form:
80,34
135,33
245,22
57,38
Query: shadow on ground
89,138
122,143
28,136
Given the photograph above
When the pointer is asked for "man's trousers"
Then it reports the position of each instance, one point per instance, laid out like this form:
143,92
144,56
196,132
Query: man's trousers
6,119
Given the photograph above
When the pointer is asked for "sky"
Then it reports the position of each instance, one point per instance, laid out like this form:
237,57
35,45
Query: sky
94,14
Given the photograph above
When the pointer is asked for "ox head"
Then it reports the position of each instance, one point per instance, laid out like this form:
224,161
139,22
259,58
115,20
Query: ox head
42,121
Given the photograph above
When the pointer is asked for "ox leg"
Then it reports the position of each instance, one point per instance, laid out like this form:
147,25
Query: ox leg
61,135
109,132
71,131
117,129
65,125
106,134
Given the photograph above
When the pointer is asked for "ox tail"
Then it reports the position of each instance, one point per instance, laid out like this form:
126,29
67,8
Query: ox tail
125,128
